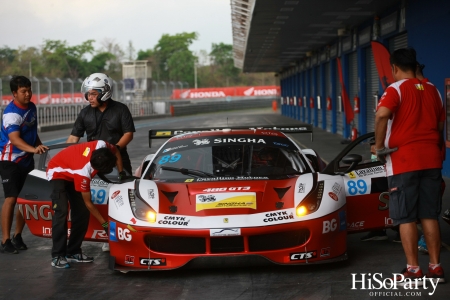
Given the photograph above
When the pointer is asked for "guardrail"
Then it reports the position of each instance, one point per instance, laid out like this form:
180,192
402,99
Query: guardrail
60,116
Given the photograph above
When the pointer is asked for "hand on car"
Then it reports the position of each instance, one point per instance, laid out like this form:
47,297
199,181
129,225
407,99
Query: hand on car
381,154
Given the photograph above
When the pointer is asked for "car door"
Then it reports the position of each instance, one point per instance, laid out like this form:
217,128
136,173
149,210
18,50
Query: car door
35,204
366,187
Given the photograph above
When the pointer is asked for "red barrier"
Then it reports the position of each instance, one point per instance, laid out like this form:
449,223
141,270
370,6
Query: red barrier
223,92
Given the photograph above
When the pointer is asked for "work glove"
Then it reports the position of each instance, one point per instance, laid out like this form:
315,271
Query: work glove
122,175
381,154
105,227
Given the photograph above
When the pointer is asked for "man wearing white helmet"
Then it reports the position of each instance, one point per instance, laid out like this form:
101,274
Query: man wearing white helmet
104,119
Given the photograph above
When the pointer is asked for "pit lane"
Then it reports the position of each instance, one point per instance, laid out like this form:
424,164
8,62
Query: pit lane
29,275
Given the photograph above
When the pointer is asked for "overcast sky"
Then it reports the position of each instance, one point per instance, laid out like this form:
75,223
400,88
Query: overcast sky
29,22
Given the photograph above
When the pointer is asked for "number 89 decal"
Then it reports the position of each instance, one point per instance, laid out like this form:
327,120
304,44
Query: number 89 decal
357,187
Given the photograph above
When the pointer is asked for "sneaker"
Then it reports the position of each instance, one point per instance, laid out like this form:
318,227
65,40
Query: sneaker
18,242
397,238
105,247
422,245
446,215
377,235
60,262
409,277
8,247
80,257
437,275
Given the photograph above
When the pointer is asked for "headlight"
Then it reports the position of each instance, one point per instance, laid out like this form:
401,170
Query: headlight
311,202
141,210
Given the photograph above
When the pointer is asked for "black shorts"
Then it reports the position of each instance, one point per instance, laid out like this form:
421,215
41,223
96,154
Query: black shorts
13,177
415,195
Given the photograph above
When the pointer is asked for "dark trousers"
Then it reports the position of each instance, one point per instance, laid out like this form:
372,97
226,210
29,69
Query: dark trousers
63,194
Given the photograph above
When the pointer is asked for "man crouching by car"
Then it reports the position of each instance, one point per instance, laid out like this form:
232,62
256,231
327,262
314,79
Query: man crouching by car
70,172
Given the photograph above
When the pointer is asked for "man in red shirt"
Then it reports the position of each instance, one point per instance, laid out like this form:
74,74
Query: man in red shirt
70,172
410,117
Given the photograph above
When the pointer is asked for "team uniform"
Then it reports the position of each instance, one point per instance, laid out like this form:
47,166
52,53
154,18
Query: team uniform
70,172
414,170
15,164
109,125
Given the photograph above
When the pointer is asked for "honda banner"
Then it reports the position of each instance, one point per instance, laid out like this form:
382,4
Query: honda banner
223,92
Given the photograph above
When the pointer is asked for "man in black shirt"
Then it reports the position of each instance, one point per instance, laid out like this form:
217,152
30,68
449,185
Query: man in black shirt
104,119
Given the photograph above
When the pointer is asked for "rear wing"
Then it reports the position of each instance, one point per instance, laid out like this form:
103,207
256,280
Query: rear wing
168,133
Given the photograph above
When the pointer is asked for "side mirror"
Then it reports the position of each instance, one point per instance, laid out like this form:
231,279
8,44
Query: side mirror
353,160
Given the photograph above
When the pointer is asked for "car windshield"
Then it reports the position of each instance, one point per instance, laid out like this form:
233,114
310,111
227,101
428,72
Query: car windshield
197,158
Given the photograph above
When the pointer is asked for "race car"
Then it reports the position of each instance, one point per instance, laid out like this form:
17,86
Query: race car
230,192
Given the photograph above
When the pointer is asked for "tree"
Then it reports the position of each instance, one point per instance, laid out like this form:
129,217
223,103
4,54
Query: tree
66,61
177,45
222,58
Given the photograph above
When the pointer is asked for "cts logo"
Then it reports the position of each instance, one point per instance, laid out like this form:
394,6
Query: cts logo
152,261
114,195
303,255
123,234
329,226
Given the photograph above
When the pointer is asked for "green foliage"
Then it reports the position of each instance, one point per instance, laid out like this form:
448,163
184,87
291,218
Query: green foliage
170,59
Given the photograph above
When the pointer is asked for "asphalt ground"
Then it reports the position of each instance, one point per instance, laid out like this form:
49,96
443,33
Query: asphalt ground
29,274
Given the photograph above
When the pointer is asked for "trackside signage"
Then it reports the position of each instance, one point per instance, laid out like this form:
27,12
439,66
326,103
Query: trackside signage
223,92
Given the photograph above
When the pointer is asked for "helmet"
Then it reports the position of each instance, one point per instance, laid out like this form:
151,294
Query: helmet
99,82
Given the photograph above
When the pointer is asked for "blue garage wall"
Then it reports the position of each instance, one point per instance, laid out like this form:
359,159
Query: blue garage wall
428,26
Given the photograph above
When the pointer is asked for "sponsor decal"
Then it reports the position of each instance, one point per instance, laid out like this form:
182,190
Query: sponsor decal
224,189
388,221
277,216
5,180
46,231
86,151
226,200
151,193
333,196
114,195
174,221
383,287
201,142
225,220
129,260
212,94
206,198
174,148
239,140
370,171
303,255
225,232
280,144
249,91
324,252
163,133
270,133
384,199
342,220
118,202
329,226
112,231
99,183
189,180
43,213
356,225
152,261
301,188
99,235
337,188
133,220
124,234
352,175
